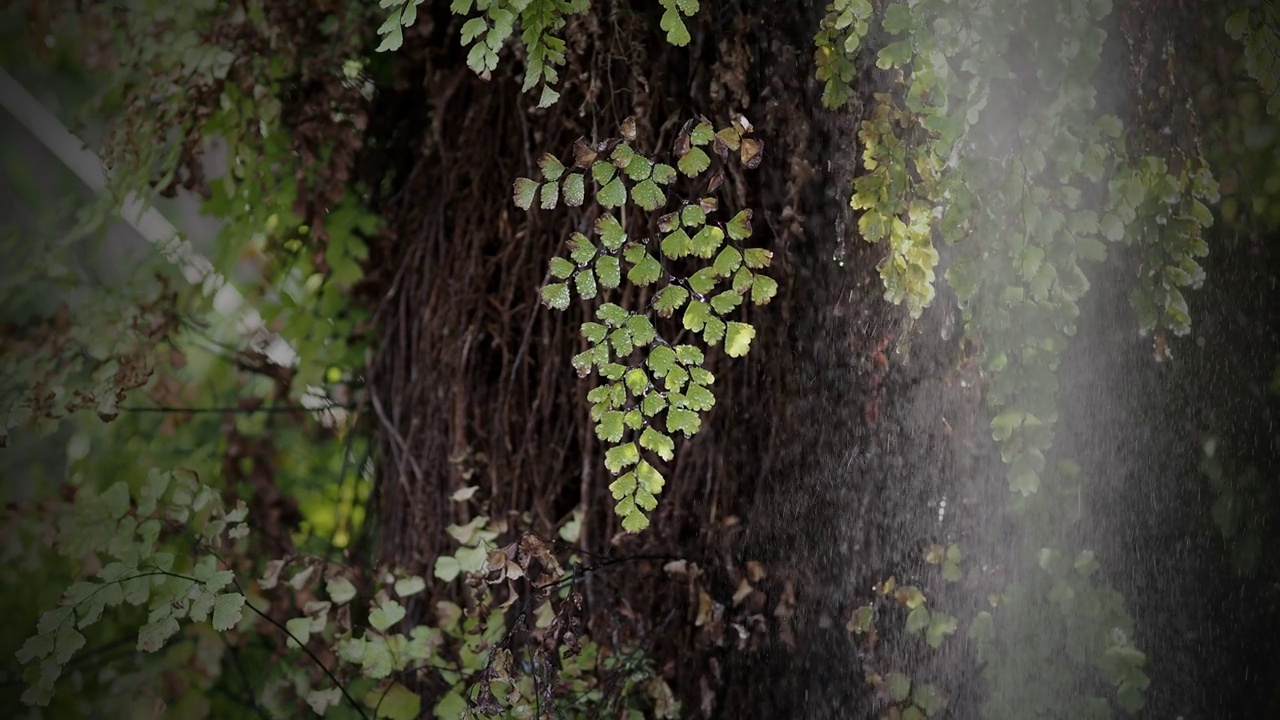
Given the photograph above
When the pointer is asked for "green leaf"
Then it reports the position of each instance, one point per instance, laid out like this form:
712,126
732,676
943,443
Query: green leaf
763,289
616,459
703,281
897,18
594,332
447,568
862,621
699,398
612,315
725,302
757,258
561,269
602,172
895,54
382,617
1112,227
610,231
696,315
581,249
663,174
670,299
66,643
639,168
652,404
671,22
622,345
706,242
227,610
738,339
898,685
622,156
637,381
396,702
702,133
609,272
340,590
648,195
300,629
658,443
624,486
650,480
729,260
411,585
641,329
586,283
676,378
552,169
739,227
523,191
635,521
661,359
676,245
450,707
394,38
612,195
473,28
1238,23
685,421
645,500
694,162
714,330
556,296
549,196
982,628
646,272
574,190
548,96
36,647
153,635
693,216
929,698
115,501
940,626
918,619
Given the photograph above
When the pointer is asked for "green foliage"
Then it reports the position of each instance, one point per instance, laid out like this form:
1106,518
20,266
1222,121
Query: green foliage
838,40
654,385
167,544
673,22
120,529
1258,28
1000,162
540,23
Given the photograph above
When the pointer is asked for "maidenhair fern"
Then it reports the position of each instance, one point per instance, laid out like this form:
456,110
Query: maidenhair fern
491,23
124,529
654,385
1259,29
1029,183
673,20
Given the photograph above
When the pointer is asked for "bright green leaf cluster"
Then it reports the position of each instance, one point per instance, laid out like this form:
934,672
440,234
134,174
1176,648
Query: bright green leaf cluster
653,389
838,40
